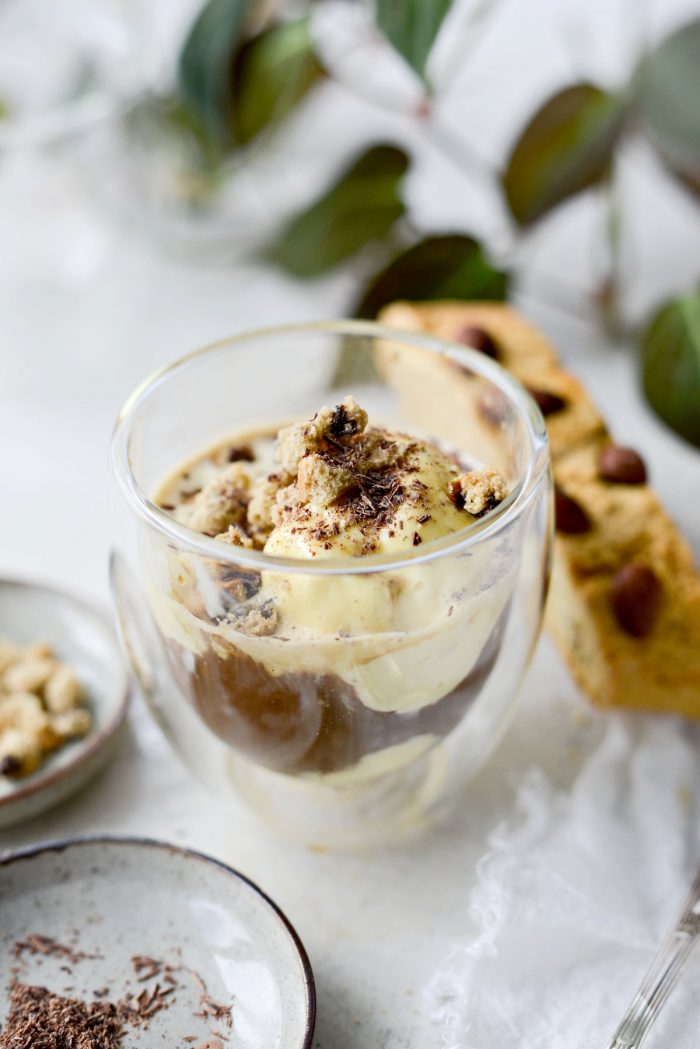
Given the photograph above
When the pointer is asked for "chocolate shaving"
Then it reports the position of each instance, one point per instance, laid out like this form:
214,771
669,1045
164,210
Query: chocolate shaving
208,1006
38,1019
146,968
373,496
35,944
138,1009
41,1019
342,424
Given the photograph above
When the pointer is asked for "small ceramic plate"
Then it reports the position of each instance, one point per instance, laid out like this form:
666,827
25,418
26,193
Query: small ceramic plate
83,638
208,928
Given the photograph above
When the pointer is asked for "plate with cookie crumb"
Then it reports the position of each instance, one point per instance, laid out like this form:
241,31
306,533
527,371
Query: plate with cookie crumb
118,943
63,697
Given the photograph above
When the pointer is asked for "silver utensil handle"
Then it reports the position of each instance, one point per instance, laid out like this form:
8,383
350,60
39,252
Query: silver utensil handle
662,976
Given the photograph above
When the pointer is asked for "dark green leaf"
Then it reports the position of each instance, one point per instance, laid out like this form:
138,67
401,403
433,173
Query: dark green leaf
204,70
361,207
272,73
671,366
669,90
566,147
443,267
412,26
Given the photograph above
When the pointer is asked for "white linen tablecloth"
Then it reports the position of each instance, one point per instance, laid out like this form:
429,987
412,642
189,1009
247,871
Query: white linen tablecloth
573,898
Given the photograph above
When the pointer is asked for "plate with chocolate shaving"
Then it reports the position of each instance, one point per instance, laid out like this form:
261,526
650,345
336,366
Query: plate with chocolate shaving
116,943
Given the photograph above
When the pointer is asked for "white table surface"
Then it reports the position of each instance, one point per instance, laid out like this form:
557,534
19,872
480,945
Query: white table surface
85,314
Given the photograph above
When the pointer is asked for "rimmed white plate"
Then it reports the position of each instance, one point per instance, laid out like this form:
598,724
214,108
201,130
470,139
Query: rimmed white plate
117,898
82,637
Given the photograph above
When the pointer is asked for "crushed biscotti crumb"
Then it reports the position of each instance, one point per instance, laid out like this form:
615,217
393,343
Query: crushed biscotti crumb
330,485
258,619
328,425
222,503
478,491
42,706
236,536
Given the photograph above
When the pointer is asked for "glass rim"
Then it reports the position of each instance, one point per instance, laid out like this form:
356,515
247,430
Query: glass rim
483,528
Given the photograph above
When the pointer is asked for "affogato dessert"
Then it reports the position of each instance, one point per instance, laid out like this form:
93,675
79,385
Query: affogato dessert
340,674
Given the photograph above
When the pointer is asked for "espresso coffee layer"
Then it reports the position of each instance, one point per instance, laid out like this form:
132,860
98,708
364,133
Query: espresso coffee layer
303,722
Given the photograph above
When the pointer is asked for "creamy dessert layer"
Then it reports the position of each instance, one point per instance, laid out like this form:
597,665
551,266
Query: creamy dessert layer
314,672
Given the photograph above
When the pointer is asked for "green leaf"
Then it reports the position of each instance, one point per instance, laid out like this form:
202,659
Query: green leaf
671,366
361,207
451,266
411,26
272,72
669,101
567,147
204,68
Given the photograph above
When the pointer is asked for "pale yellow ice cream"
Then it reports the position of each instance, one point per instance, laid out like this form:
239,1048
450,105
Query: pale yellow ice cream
375,493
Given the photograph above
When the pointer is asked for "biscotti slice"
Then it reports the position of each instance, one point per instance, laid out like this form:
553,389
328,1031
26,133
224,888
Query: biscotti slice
438,395
517,345
624,603
572,418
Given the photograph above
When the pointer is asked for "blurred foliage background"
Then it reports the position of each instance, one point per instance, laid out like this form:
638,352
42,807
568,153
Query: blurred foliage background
246,65
206,152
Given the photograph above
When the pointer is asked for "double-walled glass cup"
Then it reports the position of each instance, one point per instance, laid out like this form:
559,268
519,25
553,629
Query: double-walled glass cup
387,679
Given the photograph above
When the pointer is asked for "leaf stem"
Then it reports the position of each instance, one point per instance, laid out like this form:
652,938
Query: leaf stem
610,295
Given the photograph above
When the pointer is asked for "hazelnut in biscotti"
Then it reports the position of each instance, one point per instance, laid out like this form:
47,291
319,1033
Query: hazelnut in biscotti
572,418
625,598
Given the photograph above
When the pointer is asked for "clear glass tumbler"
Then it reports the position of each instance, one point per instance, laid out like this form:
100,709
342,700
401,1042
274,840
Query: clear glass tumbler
388,680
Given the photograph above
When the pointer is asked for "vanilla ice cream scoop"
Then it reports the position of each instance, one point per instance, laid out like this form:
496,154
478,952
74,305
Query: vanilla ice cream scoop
376,493
330,487
348,490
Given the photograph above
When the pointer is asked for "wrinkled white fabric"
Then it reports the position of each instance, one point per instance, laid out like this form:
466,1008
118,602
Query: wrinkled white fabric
573,899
